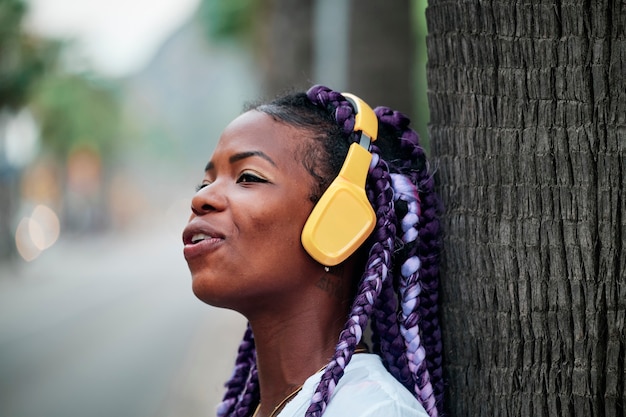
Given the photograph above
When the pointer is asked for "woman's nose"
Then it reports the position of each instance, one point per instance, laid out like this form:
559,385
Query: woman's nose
207,199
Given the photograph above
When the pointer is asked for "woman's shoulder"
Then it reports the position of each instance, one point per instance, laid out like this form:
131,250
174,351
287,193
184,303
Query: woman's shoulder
368,389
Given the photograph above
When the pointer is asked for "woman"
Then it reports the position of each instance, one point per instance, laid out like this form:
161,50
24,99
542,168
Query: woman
255,244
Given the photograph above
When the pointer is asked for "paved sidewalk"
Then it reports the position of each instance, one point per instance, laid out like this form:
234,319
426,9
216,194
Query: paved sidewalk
107,326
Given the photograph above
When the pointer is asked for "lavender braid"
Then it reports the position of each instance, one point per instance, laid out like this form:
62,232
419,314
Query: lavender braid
242,393
387,338
409,291
419,272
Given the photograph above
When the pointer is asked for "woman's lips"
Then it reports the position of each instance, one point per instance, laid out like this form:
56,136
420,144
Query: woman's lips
201,247
199,239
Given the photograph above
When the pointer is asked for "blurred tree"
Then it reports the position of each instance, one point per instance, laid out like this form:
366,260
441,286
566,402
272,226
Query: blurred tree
382,53
78,110
380,48
80,122
227,19
277,32
285,44
528,123
75,112
382,45
23,59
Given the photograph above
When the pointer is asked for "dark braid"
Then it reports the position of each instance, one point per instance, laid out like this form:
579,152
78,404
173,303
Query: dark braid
398,292
236,385
250,397
428,245
423,223
387,338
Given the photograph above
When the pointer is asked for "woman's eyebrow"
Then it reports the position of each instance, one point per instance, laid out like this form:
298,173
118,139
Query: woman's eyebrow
243,155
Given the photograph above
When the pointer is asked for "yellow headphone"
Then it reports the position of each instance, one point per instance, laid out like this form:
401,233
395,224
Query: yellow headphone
343,217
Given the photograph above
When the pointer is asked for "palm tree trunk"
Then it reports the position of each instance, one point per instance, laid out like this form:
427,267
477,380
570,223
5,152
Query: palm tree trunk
528,125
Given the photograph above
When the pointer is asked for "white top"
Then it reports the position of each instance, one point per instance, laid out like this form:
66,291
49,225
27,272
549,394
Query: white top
366,389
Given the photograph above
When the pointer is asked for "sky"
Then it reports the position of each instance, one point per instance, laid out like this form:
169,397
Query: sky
117,37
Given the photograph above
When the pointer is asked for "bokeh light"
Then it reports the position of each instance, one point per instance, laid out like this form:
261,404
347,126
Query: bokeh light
49,224
37,232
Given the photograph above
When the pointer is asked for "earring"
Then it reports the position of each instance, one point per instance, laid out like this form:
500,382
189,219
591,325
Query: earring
327,268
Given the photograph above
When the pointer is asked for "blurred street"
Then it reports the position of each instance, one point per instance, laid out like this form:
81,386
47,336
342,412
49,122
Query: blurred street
107,325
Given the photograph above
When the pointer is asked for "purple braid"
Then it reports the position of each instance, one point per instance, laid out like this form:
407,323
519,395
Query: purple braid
335,103
420,271
429,247
377,271
250,397
244,380
387,338
410,289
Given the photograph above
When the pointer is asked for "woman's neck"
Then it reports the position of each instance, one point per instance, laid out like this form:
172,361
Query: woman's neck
295,344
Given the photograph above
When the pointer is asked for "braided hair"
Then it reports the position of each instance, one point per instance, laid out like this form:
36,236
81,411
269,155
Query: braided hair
397,294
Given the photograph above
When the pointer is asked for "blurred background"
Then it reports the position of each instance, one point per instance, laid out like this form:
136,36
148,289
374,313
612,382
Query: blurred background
109,110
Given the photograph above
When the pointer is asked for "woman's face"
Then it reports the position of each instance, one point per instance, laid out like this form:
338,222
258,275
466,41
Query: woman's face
242,242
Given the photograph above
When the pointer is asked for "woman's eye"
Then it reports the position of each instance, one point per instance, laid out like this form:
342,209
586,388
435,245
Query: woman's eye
201,186
248,177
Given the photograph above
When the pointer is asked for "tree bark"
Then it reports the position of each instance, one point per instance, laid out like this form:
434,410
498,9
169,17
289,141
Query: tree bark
528,128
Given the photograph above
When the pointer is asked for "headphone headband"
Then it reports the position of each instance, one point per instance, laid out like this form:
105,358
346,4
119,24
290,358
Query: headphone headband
365,119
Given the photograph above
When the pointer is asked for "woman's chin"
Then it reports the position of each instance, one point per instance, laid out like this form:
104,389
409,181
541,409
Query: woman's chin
207,293
201,290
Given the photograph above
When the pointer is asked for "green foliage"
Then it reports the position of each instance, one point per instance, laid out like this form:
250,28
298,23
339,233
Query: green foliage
72,110
76,111
227,19
23,58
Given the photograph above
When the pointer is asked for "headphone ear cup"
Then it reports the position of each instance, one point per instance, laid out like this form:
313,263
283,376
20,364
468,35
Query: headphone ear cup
343,218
